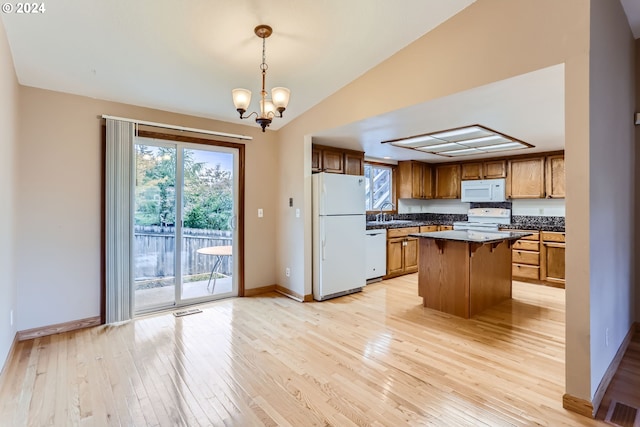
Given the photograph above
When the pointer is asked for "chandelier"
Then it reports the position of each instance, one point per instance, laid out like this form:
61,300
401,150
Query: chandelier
268,107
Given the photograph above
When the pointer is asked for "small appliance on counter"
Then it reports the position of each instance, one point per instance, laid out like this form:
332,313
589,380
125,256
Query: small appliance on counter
339,224
483,190
484,219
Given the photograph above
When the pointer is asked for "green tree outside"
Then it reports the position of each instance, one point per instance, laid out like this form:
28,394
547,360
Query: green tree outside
207,194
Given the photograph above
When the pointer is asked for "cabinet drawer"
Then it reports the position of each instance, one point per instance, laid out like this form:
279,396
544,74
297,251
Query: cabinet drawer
526,245
401,232
552,236
526,257
525,271
535,236
428,228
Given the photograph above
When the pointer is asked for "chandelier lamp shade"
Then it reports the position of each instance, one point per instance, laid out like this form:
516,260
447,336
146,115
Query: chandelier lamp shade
269,108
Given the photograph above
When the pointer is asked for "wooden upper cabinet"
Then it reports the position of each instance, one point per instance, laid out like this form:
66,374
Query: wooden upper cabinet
525,178
494,169
555,180
354,163
471,171
316,160
336,160
484,170
447,181
427,182
414,180
332,161
417,175
404,178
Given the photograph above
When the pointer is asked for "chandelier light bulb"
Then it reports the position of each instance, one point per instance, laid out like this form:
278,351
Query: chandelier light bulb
241,98
280,96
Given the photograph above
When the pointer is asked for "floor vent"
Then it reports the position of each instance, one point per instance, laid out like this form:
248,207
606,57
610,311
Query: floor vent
622,415
186,312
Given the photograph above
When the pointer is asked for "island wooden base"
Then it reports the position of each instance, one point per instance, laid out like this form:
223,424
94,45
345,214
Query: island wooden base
463,278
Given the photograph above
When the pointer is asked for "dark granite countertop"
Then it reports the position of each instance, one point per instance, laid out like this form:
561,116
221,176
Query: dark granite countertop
518,222
374,225
472,236
536,223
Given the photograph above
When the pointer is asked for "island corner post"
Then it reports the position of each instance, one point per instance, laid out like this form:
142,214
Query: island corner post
463,277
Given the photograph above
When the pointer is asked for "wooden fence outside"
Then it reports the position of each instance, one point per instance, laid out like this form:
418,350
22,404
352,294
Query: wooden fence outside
154,248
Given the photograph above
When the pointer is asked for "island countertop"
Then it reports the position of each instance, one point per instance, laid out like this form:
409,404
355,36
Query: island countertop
472,236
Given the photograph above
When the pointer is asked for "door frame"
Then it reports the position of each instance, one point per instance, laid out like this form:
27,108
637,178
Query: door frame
174,138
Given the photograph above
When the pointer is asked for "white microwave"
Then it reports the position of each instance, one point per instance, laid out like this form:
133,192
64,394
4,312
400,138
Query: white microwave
483,190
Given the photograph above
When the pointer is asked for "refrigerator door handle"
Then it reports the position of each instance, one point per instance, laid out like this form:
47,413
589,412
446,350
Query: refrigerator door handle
324,244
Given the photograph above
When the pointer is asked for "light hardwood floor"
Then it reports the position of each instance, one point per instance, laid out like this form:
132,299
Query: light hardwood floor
376,358
625,385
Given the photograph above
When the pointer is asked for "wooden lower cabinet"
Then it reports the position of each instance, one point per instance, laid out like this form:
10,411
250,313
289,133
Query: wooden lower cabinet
395,249
402,251
553,255
540,258
525,257
411,255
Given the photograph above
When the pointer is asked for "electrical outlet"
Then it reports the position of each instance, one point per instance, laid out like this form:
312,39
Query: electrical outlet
606,337
260,213
287,272
11,316
297,212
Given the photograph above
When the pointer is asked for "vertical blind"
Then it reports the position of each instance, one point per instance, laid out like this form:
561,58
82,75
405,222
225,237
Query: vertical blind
119,220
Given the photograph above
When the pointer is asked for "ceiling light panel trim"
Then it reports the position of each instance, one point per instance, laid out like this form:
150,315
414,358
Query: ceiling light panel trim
463,141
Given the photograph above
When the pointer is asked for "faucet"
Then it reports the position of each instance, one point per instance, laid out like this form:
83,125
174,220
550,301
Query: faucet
382,217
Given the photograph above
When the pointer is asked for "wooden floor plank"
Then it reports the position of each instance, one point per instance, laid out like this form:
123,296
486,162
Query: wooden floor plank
375,358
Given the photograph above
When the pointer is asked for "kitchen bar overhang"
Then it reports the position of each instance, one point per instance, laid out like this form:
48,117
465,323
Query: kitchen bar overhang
464,272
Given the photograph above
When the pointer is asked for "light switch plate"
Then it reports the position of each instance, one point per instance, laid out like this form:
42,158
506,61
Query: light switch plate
260,213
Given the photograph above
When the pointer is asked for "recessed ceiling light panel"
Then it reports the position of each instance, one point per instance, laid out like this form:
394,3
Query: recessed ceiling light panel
466,141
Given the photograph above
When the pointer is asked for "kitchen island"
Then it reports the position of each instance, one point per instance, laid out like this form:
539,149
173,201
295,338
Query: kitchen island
465,272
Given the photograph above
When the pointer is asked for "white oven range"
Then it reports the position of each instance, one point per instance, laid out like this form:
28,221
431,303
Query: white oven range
484,219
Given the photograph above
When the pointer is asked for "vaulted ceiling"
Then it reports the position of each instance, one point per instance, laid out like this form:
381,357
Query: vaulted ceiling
186,57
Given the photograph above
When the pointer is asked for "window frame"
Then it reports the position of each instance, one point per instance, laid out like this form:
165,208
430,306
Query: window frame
394,199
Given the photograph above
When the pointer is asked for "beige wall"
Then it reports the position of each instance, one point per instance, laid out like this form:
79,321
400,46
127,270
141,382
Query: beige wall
611,174
8,146
58,202
489,41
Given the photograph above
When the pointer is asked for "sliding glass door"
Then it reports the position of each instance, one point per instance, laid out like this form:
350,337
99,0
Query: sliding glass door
184,239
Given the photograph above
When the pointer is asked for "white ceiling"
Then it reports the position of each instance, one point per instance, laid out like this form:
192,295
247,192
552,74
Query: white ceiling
529,107
186,57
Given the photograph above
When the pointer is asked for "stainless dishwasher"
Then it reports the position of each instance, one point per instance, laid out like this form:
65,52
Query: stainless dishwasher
376,254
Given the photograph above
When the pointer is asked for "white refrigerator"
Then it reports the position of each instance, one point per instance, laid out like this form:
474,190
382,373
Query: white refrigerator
339,224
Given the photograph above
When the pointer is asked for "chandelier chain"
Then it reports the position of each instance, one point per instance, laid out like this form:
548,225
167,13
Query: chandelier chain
264,65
